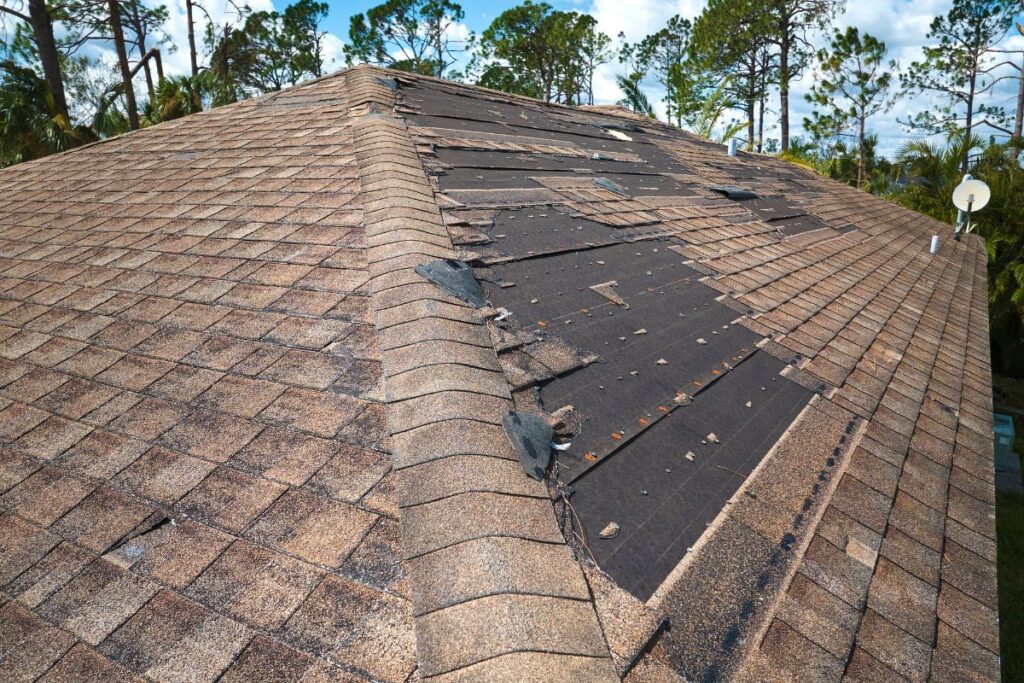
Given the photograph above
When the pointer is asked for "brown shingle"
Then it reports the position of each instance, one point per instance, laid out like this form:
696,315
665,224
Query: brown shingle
30,645
230,499
97,601
174,639
257,586
316,529
364,628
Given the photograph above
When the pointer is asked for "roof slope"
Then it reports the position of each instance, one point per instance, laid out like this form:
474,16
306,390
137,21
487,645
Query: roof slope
764,378
194,455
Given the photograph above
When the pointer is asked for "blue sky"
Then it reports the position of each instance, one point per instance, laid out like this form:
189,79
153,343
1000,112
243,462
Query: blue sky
902,24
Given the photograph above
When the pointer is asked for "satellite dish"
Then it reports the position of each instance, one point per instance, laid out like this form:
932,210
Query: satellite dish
971,195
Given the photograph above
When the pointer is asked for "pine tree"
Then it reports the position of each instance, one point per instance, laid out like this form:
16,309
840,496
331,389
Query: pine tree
853,84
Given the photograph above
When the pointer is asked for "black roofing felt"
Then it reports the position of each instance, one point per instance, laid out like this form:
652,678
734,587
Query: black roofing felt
662,499
672,367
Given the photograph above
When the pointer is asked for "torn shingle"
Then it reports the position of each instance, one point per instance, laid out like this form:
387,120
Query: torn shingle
454,277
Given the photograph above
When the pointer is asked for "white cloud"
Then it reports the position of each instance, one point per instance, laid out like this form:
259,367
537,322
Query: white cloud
902,24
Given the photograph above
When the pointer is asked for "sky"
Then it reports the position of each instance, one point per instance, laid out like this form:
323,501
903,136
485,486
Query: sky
902,24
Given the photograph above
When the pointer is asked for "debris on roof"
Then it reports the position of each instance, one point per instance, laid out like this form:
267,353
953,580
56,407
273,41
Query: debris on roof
456,278
237,342
531,437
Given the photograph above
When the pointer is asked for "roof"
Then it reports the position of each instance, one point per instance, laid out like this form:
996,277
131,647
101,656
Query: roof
241,436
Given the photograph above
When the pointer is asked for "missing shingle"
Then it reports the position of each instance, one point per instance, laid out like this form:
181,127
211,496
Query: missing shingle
531,438
616,125
456,278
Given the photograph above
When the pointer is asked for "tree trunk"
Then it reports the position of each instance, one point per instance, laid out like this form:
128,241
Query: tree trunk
751,100
760,123
191,38
42,29
860,150
750,123
122,58
784,92
1018,121
968,124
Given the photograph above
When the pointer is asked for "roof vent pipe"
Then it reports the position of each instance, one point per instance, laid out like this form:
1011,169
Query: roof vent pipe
935,244
732,147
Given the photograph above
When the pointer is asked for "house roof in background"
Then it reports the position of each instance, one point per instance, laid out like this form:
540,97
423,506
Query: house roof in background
242,434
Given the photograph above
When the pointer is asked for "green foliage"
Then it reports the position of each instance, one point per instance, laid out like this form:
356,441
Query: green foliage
267,50
705,119
30,126
932,172
666,54
634,99
410,35
534,50
1010,558
853,85
956,67
731,45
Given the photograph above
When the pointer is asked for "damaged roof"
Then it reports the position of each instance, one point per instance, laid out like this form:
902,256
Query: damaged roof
275,382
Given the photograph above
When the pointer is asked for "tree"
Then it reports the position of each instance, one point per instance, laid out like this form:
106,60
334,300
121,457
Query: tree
791,22
190,20
410,35
634,98
122,60
665,53
144,21
30,125
705,120
934,170
265,51
959,69
853,85
533,50
40,17
731,43
302,34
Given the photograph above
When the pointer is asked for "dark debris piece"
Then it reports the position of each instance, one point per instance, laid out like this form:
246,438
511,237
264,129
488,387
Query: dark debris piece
733,192
531,437
606,184
456,278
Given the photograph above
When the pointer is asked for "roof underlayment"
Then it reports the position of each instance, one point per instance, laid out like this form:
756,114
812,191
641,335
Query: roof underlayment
253,415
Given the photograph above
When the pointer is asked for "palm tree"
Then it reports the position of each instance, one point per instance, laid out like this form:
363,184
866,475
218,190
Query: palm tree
933,172
30,123
704,122
635,99
178,96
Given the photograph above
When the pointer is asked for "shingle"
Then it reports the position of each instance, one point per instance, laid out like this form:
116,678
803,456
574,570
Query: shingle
466,634
174,639
173,553
316,529
85,664
97,601
256,586
903,599
30,644
897,649
364,628
230,499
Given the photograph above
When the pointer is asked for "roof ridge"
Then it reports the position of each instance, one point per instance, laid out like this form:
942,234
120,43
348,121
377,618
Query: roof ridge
490,572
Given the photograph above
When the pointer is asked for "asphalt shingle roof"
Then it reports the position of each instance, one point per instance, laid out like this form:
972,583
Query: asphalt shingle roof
240,436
